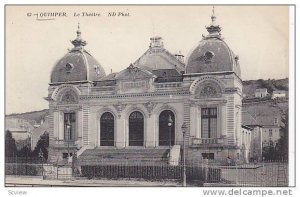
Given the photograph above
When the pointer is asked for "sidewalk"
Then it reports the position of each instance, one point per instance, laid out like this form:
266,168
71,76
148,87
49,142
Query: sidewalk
11,181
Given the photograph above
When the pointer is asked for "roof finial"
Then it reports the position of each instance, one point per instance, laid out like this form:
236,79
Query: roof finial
78,31
213,17
213,29
78,43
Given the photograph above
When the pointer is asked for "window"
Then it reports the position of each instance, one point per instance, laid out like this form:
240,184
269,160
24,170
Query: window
107,129
209,122
136,129
69,67
208,56
276,121
69,126
208,155
270,133
166,128
65,155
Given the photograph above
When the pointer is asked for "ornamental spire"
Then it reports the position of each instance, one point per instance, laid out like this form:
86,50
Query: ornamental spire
213,17
78,31
214,29
78,43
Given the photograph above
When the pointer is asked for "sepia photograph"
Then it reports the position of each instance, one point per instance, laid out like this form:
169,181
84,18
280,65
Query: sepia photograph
148,96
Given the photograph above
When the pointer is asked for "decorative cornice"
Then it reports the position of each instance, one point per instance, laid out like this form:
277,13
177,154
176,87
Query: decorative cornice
147,94
67,108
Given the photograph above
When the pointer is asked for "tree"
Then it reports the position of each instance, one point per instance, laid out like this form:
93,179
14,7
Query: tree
10,145
42,145
269,152
283,142
24,152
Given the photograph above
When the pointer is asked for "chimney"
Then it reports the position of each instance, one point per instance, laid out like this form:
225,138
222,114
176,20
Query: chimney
179,56
156,42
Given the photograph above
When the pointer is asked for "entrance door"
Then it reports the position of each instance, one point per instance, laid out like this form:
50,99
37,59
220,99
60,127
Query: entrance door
166,128
136,129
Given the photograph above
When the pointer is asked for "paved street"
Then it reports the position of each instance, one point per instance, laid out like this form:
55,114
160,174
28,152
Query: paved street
38,182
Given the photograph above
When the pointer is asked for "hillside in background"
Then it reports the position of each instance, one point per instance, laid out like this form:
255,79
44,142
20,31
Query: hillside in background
35,116
250,86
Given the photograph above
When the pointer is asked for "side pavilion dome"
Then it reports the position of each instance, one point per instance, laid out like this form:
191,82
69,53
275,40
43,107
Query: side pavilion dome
77,65
212,54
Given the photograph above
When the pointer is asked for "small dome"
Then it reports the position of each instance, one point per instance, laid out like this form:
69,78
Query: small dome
77,65
212,54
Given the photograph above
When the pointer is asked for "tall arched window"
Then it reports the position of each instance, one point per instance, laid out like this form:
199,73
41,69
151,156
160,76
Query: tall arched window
107,129
136,129
166,128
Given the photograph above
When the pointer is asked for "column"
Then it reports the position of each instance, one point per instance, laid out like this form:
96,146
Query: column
79,127
56,124
151,137
223,117
120,136
194,119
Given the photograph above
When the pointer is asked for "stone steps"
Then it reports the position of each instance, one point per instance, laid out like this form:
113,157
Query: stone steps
133,155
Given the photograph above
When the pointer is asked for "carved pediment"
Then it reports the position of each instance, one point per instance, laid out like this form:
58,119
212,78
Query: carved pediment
133,73
208,89
134,80
68,97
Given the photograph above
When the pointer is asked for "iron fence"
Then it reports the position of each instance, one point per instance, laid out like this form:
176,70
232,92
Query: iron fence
208,172
148,170
263,174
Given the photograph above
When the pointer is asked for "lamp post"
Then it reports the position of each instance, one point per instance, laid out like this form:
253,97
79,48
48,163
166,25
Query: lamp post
170,123
184,130
69,136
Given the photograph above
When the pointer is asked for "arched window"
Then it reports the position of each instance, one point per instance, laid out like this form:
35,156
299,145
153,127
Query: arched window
136,129
166,128
107,128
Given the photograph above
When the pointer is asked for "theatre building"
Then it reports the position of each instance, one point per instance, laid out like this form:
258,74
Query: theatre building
139,111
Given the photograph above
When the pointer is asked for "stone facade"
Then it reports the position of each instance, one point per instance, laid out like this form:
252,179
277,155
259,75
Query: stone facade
139,109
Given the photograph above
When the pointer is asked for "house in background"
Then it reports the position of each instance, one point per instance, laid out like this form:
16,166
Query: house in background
279,94
246,139
261,92
256,136
21,130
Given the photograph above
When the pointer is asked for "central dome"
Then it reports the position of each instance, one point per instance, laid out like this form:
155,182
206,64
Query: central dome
212,54
77,65
158,60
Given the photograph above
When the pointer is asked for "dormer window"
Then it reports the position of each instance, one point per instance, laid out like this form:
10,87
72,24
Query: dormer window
97,69
69,67
208,56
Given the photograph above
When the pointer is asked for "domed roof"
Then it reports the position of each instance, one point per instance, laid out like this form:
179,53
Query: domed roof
77,65
212,54
158,58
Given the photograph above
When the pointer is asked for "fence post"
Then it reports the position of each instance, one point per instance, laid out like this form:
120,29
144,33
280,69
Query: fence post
16,165
236,175
205,161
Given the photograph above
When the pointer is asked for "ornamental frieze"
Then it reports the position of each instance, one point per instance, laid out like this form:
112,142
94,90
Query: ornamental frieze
150,106
119,107
208,89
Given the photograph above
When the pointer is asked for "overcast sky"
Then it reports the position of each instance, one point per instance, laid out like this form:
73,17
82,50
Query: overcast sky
258,34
